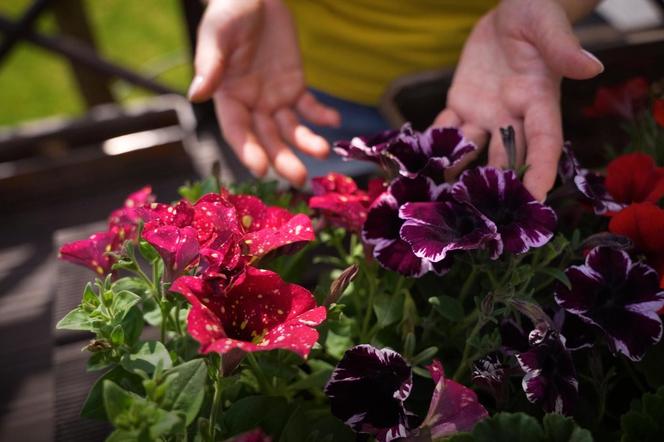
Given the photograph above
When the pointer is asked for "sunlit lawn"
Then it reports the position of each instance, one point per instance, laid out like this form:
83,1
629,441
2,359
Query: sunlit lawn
146,35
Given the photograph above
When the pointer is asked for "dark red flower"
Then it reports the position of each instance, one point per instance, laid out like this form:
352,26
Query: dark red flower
623,100
643,223
658,111
259,312
340,201
92,252
634,178
178,247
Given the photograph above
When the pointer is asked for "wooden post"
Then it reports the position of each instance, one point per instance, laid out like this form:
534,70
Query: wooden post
71,17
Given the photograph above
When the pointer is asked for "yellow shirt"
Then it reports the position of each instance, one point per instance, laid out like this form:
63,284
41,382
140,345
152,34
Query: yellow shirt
353,49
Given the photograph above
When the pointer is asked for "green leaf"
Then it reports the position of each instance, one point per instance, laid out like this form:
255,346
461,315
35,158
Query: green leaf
508,427
448,307
146,358
117,336
123,301
652,363
186,391
558,274
645,421
93,408
266,412
122,436
558,428
388,308
133,284
166,422
117,400
132,324
147,251
337,345
76,319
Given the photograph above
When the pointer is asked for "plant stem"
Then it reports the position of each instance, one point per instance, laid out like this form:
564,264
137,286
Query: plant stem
216,404
263,382
466,357
369,306
467,285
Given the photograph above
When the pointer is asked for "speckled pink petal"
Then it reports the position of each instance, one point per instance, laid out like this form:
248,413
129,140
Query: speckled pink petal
205,327
297,229
92,252
140,198
333,182
178,247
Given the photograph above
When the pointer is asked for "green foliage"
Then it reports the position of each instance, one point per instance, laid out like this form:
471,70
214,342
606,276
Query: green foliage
645,421
511,427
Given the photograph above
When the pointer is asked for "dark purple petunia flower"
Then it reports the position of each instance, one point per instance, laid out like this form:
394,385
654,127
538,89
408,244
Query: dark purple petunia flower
521,221
618,296
428,153
589,184
550,379
492,375
365,148
434,229
381,228
367,391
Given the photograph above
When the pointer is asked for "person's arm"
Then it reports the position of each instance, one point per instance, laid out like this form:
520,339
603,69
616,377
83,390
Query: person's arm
509,74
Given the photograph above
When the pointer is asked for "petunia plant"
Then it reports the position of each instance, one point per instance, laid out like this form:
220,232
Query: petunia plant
410,306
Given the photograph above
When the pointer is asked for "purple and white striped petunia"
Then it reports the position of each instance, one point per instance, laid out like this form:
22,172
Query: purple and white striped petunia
618,296
381,228
367,391
589,184
428,153
550,379
434,229
365,148
520,220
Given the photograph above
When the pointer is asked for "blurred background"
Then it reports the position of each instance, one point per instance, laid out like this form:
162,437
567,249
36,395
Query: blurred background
92,108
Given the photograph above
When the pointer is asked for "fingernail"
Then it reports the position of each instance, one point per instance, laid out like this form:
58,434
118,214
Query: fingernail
593,58
195,86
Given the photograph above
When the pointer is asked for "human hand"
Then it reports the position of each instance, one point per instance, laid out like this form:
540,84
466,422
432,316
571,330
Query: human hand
248,60
509,74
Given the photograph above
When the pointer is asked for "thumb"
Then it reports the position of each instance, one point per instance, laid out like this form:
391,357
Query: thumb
554,38
208,62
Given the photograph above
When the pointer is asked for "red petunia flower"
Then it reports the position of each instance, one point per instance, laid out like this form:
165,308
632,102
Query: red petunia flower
643,223
266,228
341,202
178,247
658,111
124,221
92,252
259,312
634,178
623,100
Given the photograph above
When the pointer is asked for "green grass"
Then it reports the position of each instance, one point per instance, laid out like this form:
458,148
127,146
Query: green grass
147,36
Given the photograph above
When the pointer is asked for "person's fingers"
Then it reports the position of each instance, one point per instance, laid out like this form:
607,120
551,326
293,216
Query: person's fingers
543,131
479,137
552,34
208,60
447,118
282,158
236,126
316,112
498,153
299,135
